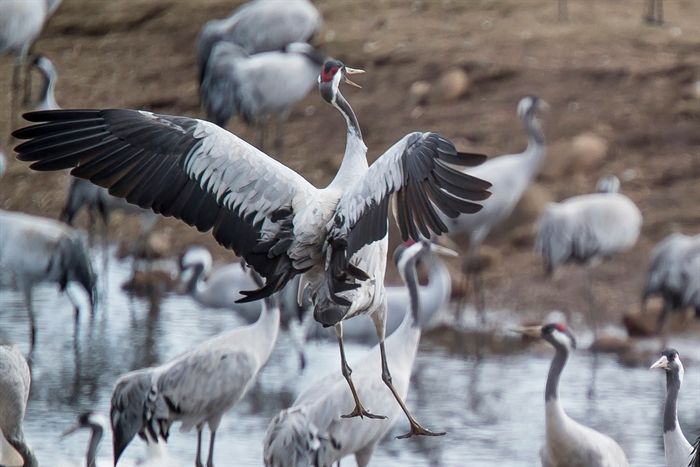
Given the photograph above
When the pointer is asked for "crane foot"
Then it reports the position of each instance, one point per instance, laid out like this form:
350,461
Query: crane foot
417,430
361,412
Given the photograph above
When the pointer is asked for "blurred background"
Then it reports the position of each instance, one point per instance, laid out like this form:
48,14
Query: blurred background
624,97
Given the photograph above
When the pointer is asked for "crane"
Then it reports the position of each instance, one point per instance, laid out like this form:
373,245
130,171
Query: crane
259,26
568,442
35,249
47,96
510,176
586,229
673,273
21,22
156,454
434,296
313,431
695,461
15,380
258,87
677,449
195,388
337,237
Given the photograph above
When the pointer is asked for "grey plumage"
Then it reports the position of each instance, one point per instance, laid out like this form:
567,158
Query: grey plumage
677,449
260,26
258,87
695,461
313,429
21,22
126,409
47,96
674,274
15,381
36,249
568,443
97,426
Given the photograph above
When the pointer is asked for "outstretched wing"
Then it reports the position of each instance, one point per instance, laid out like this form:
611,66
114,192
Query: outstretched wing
182,167
417,171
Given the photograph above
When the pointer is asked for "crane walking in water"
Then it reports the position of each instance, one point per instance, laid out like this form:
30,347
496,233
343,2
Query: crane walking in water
586,229
15,380
567,442
677,449
283,226
313,431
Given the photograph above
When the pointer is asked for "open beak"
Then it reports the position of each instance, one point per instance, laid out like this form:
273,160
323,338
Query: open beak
441,250
530,331
352,71
660,363
70,430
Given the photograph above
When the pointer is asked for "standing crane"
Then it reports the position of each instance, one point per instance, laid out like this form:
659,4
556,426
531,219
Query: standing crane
21,22
337,237
195,388
567,442
313,431
510,176
677,449
586,229
673,273
35,249
260,26
258,87
15,380
47,96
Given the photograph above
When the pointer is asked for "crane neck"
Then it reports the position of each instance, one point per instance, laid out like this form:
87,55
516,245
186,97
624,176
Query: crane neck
196,284
95,438
269,323
355,157
673,387
551,391
535,141
47,97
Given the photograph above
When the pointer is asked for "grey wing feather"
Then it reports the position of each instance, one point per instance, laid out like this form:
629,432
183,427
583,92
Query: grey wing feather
219,86
182,167
417,171
695,461
291,439
126,407
554,238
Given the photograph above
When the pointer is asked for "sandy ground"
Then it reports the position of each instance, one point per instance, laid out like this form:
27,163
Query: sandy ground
604,72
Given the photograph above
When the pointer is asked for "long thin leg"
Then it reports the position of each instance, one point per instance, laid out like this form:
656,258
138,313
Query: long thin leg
14,100
32,321
592,314
416,428
359,410
210,459
198,452
27,98
279,137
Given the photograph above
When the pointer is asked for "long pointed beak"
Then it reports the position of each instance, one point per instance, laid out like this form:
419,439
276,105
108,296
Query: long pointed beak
441,250
530,331
353,71
70,430
660,363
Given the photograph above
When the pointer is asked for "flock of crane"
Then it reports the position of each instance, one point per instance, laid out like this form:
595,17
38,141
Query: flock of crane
303,247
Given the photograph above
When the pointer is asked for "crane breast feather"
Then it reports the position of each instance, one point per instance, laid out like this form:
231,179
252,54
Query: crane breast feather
177,166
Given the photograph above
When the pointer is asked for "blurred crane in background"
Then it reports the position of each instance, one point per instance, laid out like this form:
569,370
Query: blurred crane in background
258,87
36,249
674,273
509,176
21,22
259,26
586,229
15,380
677,449
567,442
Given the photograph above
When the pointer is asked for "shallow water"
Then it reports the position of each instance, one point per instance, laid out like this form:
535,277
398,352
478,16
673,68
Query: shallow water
492,410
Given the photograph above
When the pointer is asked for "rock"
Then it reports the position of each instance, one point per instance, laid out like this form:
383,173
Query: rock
588,151
452,85
418,93
611,344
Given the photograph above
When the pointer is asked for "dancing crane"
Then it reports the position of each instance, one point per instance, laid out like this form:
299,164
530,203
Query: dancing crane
567,442
313,431
677,449
337,237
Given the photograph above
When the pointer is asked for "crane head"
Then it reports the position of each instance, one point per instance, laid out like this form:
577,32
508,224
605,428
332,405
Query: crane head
670,361
333,72
528,105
